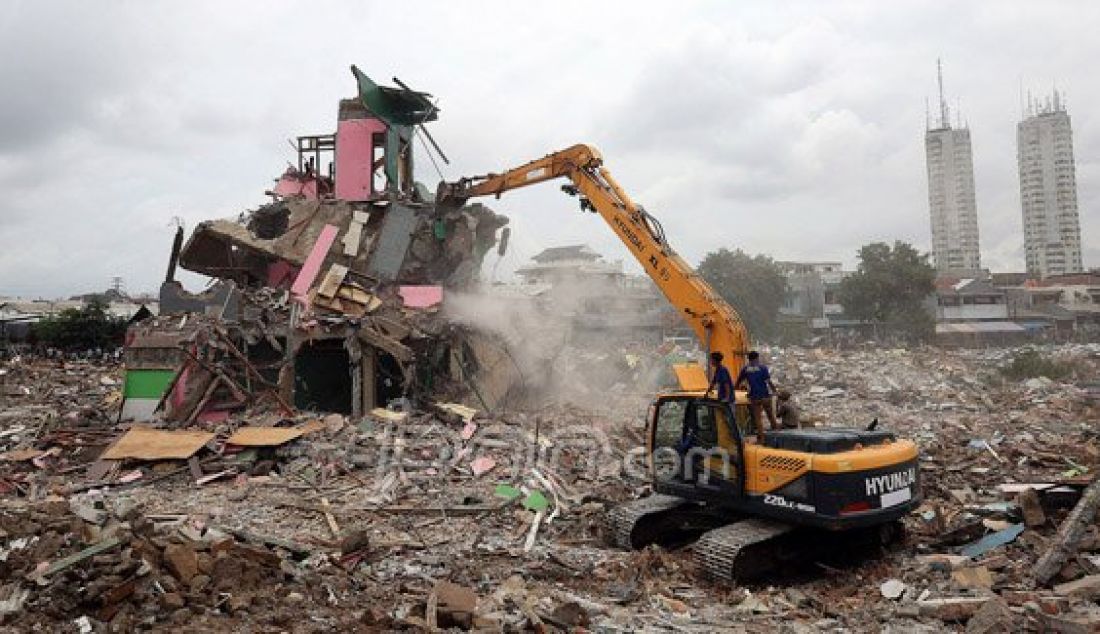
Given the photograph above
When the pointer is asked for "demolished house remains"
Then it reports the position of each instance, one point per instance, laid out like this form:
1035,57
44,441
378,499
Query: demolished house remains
327,297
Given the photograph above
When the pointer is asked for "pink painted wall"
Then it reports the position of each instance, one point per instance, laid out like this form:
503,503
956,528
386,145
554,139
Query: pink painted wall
290,185
180,390
280,273
313,263
353,157
420,296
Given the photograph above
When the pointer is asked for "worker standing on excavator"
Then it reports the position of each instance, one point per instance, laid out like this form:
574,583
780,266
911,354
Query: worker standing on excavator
720,378
758,377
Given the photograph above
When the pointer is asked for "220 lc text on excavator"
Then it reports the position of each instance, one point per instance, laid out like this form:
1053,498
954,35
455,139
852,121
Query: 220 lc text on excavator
743,497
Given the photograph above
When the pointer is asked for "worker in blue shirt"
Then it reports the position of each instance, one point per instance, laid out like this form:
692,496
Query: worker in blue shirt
759,380
720,378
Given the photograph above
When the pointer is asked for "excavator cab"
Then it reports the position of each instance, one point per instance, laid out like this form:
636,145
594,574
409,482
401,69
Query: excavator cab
696,443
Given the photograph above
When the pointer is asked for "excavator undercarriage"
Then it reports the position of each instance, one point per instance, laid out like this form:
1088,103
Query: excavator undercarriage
734,546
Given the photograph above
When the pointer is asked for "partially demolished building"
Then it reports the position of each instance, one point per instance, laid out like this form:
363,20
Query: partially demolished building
326,297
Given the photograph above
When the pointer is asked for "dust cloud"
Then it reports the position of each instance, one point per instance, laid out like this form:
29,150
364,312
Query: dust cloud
572,343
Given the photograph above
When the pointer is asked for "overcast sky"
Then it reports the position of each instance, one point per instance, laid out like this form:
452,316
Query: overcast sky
789,129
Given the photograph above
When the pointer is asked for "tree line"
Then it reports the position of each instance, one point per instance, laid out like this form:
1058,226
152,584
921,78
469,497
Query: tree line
78,329
886,293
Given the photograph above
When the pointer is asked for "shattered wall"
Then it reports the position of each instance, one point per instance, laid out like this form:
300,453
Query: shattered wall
403,242
337,257
351,291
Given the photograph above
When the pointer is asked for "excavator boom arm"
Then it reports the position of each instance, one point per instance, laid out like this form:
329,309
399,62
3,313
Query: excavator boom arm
715,322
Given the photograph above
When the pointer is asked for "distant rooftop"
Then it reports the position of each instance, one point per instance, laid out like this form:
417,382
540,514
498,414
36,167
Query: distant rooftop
1052,104
965,286
571,252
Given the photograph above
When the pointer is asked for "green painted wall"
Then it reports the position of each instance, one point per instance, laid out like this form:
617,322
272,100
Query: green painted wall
147,383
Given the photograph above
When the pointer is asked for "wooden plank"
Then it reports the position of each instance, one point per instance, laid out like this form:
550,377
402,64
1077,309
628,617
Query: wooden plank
1064,543
332,525
351,239
331,283
267,540
156,444
263,436
88,552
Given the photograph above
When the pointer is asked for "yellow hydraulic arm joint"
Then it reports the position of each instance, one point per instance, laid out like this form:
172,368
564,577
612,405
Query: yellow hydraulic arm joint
715,322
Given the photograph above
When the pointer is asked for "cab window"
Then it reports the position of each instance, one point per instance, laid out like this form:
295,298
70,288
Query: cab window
670,424
707,419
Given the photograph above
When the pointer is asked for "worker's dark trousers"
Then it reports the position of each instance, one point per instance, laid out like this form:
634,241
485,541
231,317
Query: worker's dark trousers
757,407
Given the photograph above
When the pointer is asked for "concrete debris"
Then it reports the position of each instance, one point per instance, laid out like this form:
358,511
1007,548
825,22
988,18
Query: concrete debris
1032,508
972,577
893,588
951,608
992,617
381,509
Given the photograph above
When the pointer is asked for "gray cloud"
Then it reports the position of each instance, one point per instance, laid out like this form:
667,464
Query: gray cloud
792,129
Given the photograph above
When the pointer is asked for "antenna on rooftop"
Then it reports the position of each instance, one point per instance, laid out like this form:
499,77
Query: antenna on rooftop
945,121
1023,111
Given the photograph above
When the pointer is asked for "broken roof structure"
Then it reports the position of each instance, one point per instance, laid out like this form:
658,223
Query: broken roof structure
317,280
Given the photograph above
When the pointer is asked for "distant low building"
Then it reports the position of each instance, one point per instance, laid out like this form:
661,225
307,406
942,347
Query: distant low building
17,315
564,264
127,309
1069,305
974,312
810,300
969,300
598,296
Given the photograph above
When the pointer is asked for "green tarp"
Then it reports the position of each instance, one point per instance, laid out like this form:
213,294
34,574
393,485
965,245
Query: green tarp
147,383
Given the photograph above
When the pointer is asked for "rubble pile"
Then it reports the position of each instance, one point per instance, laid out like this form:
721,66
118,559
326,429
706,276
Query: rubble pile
85,562
450,516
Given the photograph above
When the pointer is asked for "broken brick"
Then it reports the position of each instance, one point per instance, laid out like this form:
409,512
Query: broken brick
181,562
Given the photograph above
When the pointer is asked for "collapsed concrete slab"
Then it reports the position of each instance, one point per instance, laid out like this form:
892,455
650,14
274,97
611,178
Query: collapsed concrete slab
381,242
327,296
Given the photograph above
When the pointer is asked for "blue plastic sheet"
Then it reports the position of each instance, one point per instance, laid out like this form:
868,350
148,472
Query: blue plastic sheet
992,540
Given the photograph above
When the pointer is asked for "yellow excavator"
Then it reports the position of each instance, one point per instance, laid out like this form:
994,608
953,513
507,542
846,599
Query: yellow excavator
739,496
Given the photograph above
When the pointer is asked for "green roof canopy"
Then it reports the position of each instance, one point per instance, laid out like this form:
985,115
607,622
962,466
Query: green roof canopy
395,106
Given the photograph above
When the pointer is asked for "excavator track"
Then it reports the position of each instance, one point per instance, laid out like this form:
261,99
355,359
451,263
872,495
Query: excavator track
738,550
622,522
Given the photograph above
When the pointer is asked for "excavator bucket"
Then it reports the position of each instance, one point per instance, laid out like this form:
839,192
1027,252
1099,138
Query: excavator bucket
692,377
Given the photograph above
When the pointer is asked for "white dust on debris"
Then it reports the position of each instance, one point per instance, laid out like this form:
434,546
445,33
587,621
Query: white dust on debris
562,359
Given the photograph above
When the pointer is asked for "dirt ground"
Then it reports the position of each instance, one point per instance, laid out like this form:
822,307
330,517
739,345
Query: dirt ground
447,518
